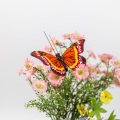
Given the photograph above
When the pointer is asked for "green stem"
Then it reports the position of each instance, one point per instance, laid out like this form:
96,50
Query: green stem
88,57
71,41
36,76
30,81
98,64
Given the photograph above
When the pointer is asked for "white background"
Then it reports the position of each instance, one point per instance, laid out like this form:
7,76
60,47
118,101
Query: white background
22,23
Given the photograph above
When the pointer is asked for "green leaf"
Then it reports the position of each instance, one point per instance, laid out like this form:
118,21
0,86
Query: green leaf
97,113
92,113
101,110
93,102
112,117
99,104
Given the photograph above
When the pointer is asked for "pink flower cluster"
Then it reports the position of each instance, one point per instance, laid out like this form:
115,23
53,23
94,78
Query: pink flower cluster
53,43
27,68
91,53
105,58
81,73
74,36
116,64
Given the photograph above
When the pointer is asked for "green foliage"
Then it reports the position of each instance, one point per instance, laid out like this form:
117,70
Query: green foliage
61,101
96,108
112,116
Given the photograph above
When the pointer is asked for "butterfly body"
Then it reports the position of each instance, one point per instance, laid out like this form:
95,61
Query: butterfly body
59,64
62,61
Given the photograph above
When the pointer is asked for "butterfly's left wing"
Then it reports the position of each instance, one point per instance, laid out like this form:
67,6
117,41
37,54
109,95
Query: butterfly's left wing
72,57
50,60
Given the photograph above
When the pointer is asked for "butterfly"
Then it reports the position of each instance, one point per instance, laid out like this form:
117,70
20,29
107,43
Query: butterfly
70,58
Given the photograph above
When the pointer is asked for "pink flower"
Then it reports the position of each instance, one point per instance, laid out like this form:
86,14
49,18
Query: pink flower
20,71
116,82
40,66
91,53
29,73
28,65
117,74
104,72
53,40
55,79
76,36
115,62
59,43
66,36
98,71
47,70
105,57
92,69
48,48
40,85
81,72
27,68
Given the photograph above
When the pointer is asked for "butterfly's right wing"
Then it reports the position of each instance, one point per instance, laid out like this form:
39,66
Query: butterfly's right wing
72,57
49,59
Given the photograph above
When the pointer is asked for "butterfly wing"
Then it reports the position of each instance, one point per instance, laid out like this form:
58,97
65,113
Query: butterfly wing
49,59
72,57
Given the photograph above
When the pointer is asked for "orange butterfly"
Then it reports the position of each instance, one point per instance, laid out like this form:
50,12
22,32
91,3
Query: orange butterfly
59,64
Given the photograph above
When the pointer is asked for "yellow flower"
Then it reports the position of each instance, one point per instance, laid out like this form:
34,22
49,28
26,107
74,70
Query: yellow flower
80,109
105,97
87,111
91,118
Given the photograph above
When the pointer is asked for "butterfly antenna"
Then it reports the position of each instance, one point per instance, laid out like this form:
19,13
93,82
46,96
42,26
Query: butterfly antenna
49,41
53,44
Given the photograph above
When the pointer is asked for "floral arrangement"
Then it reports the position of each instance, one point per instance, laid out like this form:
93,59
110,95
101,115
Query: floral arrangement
80,94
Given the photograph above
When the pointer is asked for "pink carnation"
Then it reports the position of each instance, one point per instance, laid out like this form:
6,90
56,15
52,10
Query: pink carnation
55,79
81,72
76,36
105,57
40,85
28,65
91,53
66,36
115,62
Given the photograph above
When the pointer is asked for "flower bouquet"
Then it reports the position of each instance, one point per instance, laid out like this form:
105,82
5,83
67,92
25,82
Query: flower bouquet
66,85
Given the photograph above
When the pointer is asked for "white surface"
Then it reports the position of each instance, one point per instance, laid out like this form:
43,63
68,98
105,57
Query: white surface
22,23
